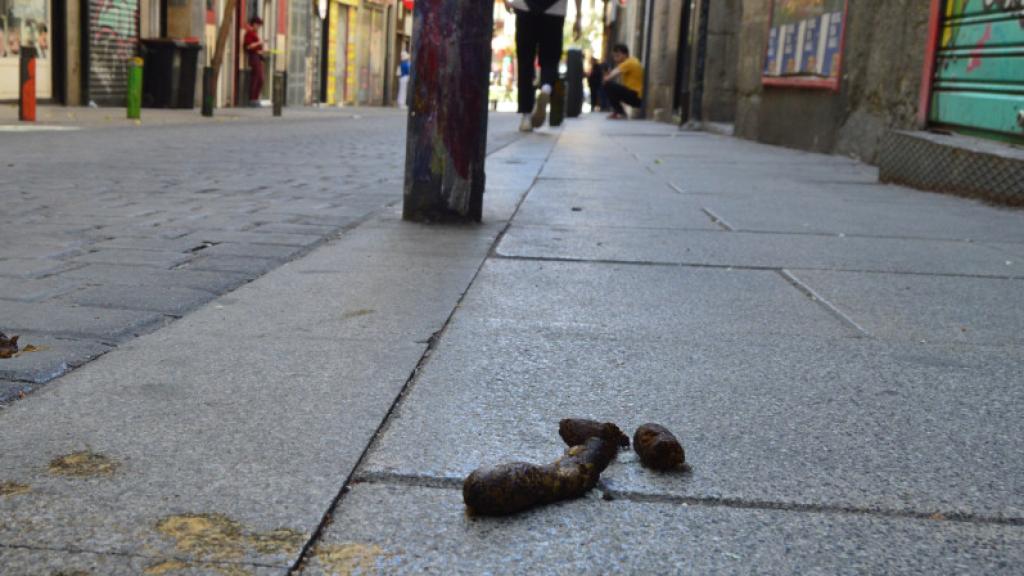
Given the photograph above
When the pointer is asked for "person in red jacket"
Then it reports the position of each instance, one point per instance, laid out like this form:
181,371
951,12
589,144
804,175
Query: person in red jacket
254,50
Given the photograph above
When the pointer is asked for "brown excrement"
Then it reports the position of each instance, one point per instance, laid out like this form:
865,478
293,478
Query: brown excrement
14,488
357,313
83,464
347,559
8,346
218,537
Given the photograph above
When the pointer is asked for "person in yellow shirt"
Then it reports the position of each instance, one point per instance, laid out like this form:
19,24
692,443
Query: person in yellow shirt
624,84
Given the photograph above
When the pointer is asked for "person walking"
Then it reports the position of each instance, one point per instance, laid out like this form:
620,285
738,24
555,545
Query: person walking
404,69
539,28
254,49
630,86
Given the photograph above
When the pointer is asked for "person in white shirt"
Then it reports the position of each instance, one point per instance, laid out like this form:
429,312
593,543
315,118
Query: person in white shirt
539,28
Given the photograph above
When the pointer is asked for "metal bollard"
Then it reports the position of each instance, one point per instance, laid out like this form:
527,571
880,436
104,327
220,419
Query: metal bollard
134,97
209,90
278,93
27,93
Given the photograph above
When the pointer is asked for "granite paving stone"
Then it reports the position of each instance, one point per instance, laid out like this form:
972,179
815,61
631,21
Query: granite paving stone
53,357
606,206
741,249
29,561
926,308
408,530
272,251
127,257
647,302
31,268
170,300
114,275
835,215
254,267
795,421
76,321
35,290
10,391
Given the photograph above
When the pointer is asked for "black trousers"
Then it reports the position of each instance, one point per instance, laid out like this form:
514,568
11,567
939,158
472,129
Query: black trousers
619,95
537,35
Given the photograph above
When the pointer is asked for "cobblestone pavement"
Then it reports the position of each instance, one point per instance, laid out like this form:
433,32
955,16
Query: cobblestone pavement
108,233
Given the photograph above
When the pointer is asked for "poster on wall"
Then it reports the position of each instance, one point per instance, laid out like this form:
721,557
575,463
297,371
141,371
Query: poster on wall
24,23
805,44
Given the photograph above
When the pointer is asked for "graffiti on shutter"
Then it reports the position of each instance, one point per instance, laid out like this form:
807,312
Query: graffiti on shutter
113,40
979,79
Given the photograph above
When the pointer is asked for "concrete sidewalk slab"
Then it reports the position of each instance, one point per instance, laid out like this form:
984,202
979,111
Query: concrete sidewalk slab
564,203
835,215
926,308
795,422
380,530
644,302
753,250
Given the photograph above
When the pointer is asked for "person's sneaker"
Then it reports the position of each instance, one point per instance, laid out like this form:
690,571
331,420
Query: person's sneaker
525,124
540,109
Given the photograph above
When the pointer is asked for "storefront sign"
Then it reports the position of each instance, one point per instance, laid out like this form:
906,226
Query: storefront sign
805,43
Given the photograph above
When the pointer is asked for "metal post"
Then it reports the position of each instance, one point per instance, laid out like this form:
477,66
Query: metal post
209,90
278,93
27,93
447,137
134,96
682,92
648,36
702,54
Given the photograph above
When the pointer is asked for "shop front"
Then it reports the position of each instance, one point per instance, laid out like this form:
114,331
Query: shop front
341,52
25,25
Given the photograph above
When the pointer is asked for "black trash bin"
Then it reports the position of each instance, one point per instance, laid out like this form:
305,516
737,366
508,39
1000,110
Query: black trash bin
169,73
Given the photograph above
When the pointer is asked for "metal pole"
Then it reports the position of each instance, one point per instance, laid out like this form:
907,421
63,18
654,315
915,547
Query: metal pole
134,96
447,137
209,90
278,93
682,91
27,84
648,27
702,53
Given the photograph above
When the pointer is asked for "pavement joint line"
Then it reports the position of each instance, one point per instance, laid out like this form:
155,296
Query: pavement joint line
747,267
118,554
822,301
715,218
739,503
449,483
328,517
415,480
982,243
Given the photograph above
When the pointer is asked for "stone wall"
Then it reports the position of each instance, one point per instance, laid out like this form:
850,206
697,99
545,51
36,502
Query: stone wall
722,57
881,78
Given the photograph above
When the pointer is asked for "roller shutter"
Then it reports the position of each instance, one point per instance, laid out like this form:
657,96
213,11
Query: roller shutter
113,39
979,78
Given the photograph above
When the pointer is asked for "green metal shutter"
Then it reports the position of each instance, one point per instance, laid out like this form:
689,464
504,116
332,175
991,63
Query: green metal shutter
979,72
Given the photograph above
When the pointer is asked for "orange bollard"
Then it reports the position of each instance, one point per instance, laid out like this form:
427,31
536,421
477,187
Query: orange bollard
27,99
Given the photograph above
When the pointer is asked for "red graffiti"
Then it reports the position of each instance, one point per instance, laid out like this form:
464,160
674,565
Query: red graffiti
975,62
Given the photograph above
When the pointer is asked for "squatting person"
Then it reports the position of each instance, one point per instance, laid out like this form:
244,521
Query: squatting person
629,88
